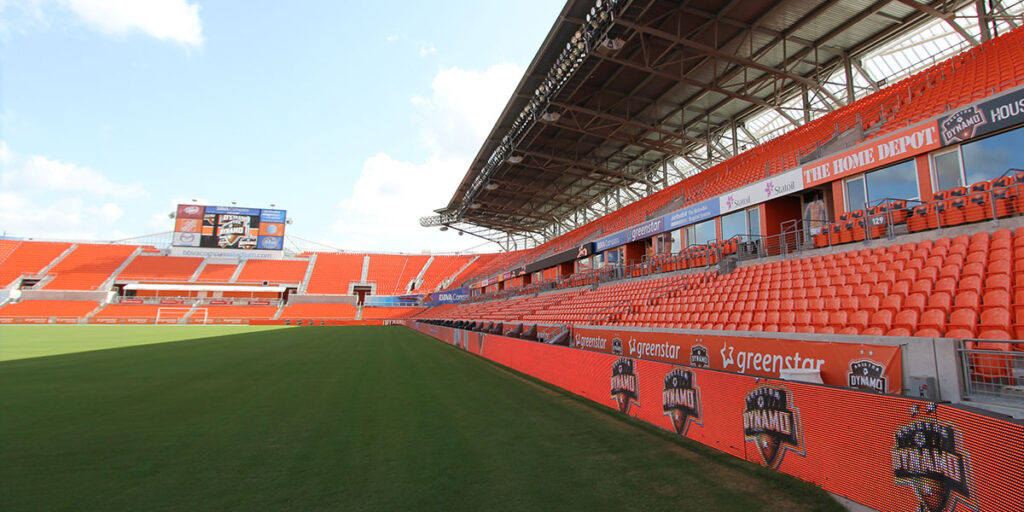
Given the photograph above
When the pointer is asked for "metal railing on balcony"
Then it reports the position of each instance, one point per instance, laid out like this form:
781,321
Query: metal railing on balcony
882,219
993,370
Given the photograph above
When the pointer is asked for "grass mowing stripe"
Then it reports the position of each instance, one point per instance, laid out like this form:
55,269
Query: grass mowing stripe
359,418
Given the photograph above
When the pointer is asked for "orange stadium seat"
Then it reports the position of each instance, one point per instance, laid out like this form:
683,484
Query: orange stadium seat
217,273
73,310
333,273
160,268
88,266
314,311
27,257
273,271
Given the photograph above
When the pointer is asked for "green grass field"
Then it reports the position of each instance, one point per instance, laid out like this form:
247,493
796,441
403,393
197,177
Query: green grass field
345,418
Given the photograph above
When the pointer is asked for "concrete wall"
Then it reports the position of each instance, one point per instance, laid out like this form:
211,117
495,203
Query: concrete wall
322,299
63,295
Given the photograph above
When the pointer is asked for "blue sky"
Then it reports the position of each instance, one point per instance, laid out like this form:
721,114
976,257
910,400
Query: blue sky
357,117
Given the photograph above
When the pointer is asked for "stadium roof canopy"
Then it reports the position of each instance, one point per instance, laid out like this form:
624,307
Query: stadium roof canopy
627,97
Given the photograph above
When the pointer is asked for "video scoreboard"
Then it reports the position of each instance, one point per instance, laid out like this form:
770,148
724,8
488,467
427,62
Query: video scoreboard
229,228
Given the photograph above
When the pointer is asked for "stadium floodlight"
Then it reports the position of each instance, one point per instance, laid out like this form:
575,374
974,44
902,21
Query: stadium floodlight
592,33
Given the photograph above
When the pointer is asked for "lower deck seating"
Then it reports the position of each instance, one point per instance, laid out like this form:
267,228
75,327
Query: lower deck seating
388,313
592,306
960,287
139,313
301,311
232,314
501,310
48,309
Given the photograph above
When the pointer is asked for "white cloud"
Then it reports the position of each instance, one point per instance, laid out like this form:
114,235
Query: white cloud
64,218
383,209
41,174
160,222
44,198
463,107
5,154
12,202
109,213
427,49
166,20
17,16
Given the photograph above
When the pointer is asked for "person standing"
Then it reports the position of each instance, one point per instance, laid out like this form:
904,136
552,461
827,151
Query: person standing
815,215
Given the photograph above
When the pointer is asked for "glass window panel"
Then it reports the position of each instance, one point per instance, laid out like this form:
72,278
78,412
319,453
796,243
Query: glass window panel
855,194
703,232
754,221
664,241
947,170
734,224
677,240
989,158
894,182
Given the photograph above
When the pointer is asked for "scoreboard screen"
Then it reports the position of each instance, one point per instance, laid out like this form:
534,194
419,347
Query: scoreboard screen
229,227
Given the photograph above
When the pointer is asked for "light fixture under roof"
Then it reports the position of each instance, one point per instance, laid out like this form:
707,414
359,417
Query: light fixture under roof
551,116
491,186
515,159
613,44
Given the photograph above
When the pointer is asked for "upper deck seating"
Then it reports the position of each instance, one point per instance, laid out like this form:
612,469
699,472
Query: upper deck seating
273,271
217,273
28,257
392,273
442,268
333,273
160,268
88,266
